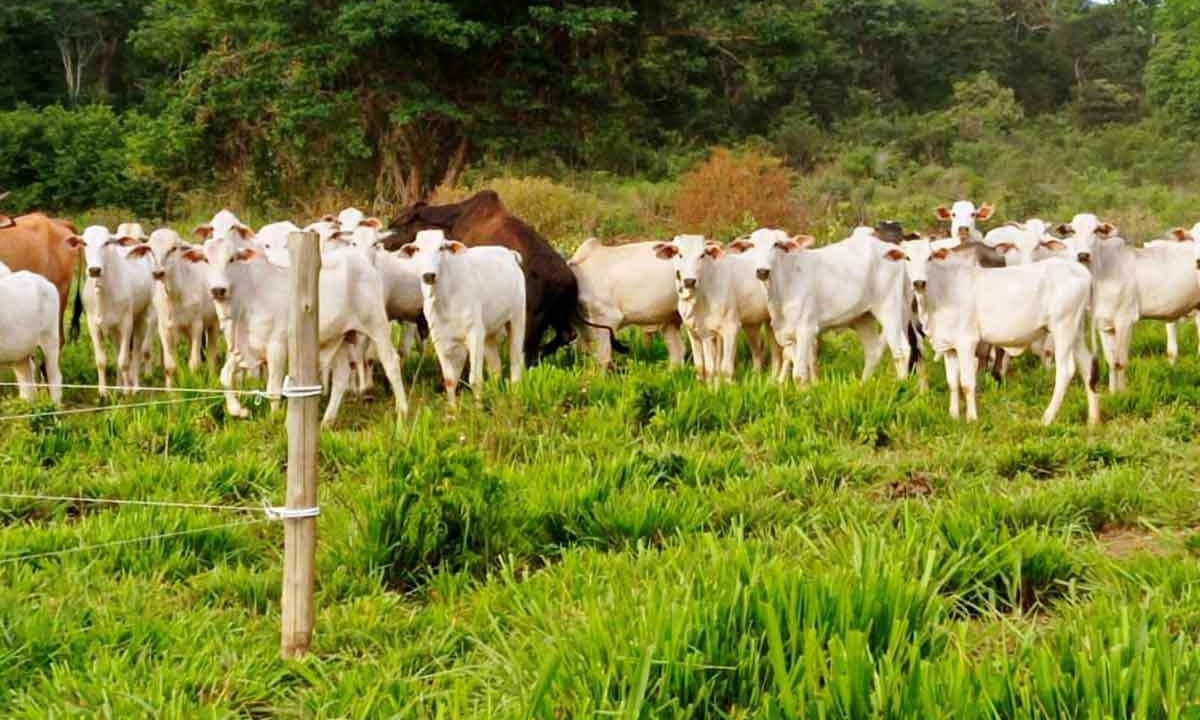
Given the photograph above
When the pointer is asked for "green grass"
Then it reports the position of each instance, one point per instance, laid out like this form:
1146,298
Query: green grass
628,545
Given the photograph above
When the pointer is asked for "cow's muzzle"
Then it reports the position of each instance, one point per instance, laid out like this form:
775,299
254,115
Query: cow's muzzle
159,274
763,274
95,272
1084,257
919,285
964,232
689,283
429,278
219,293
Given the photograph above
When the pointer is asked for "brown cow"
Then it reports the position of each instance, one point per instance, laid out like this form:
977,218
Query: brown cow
551,292
40,244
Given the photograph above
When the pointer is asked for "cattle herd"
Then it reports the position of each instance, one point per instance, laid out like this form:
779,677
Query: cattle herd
471,276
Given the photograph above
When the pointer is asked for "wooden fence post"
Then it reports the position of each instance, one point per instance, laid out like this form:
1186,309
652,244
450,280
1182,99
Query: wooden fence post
303,428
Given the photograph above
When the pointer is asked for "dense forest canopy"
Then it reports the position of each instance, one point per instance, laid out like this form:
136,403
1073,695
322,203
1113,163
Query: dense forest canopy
128,103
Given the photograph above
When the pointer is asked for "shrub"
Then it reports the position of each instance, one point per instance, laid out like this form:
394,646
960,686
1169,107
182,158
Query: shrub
734,192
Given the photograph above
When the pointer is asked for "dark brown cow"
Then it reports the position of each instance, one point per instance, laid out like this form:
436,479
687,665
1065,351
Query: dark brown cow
552,296
40,244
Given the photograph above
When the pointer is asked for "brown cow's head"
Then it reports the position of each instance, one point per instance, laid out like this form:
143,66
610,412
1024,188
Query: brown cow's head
407,223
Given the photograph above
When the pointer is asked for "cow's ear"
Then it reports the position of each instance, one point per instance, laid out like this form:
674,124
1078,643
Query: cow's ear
372,222
940,254
342,235
665,251
803,241
140,251
787,245
943,212
127,241
1004,247
1054,245
1063,230
74,241
192,254
895,254
984,212
1106,229
713,251
911,236
245,232
245,254
329,217
1181,234
408,250
739,246
203,232
455,247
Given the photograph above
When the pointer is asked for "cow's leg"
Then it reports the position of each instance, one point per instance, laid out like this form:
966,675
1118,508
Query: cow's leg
195,343
476,349
1122,342
1196,317
276,368
100,353
772,348
968,369
338,360
451,356
491,356
801,362
166,339
125,348
1172,341
229,372
950,359
873,344
380,335
516,349
212,343
1108,344
728,345
1063,370
697,350
535,326
51,348
755,340
26,375
1089,373
674,343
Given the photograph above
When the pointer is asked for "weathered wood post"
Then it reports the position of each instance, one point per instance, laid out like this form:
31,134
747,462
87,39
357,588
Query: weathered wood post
303,428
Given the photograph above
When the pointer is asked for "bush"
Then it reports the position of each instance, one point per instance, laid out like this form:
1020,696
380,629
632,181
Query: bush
64,160
732,193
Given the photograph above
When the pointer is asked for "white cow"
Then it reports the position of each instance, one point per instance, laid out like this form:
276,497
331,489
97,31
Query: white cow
472,296
402,298
717,295
29,319
962,304
1022,243
621,285
256,297
962,217
1129,284
1178,235
117,296
182,303
846,284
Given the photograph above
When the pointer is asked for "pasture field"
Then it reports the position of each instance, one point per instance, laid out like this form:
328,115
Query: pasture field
630,545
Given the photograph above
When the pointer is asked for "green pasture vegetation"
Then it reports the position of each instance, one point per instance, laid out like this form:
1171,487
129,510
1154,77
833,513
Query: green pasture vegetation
633,544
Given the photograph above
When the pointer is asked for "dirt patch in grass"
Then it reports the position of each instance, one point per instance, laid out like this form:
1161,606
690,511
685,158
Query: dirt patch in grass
1119,541
915,485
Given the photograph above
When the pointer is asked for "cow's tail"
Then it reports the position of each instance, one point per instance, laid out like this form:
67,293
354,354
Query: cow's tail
617,345
77,308
914,346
